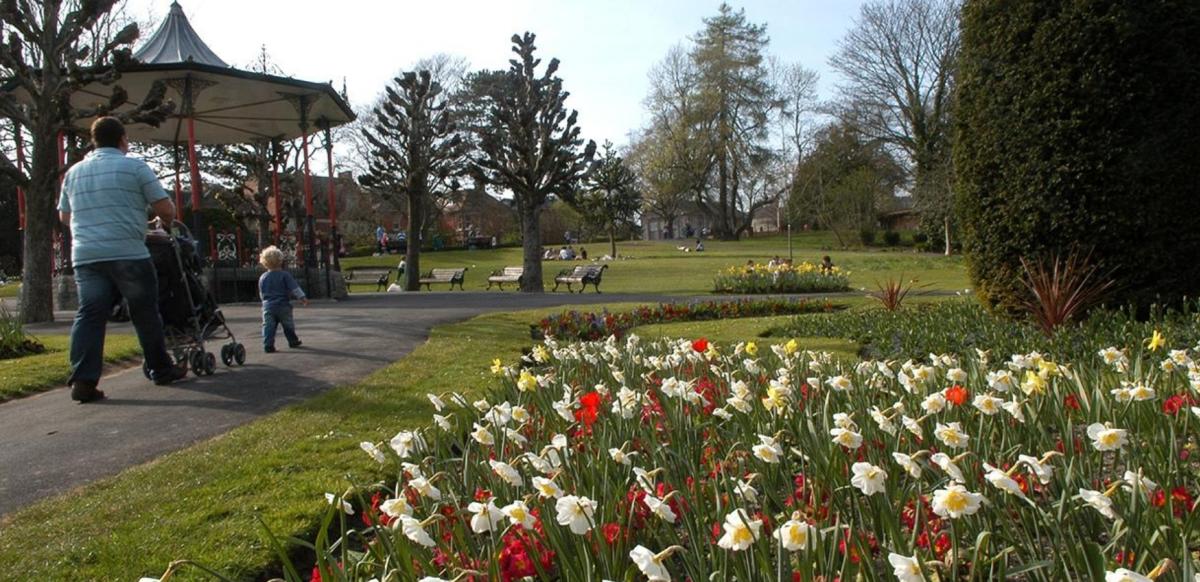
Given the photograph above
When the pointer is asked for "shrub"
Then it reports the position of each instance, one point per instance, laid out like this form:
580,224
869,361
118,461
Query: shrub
585,326
920,238
891,238
891,293
763,278
1061,290
14,342
867,236
1076,123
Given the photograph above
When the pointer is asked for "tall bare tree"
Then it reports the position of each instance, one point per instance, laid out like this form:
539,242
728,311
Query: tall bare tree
49,50
416,151
898,61
530,145
664,190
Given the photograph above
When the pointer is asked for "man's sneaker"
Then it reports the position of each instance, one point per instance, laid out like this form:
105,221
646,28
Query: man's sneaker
269,349
170,375
296,345
83,392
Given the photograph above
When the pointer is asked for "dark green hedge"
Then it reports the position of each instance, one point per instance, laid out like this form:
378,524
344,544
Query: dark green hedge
1078,123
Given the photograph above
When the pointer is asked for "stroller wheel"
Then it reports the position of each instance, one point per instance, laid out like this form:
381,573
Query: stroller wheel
196,362
227,354
210,363
239,354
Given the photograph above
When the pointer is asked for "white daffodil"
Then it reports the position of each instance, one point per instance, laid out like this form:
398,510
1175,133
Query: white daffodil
987,404
407,442
945,463
905,568
443,422
956,375
1043,470
912,426
340,503
951,435
520,414
1001,381
1141,393
650,564
426,489
882,421
1099,501
934,403
518,513
1106,438
516,438
621,457
1000,480
508,473
660,508
1138,482
868,478
1123,575
482,435
1014,409
768,450
846,438
909,465
484,516
415,531
547,488
373,451
396,507
576,513
438,403
794,535
1114,357
840,383
955,501
740,531
745,490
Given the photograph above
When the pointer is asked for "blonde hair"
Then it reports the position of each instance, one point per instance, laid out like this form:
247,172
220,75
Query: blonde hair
271,257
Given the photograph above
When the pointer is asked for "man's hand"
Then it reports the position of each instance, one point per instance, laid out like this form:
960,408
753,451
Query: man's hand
304,302
165,211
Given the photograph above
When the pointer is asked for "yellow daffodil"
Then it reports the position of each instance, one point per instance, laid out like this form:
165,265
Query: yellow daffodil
1156,341
791,347
752,348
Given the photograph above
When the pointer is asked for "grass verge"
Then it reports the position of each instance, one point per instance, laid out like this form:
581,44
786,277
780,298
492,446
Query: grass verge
745,329
10,290
36,373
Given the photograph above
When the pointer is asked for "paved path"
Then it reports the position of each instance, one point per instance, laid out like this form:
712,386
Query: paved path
49,444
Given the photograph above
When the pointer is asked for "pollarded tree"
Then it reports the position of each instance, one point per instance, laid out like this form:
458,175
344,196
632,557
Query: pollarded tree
611,198
529,144
48,51
1076,127
416,151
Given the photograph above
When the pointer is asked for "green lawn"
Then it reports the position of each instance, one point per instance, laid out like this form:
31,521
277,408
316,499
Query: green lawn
746,329
20,376
10,290
658,267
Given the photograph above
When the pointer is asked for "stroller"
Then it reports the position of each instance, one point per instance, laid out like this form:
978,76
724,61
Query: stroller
189,313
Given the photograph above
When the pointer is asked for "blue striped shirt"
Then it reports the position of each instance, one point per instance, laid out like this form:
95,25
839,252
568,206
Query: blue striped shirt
107,194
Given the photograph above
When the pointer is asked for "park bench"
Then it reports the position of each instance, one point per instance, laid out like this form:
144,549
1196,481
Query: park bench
450,276
506,275
380,276
583,275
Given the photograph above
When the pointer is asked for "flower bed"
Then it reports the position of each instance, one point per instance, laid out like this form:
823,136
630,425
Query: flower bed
588,326
628,460
762,278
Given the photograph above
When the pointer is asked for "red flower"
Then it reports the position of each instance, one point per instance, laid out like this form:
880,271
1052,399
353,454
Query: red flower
611,532
1173,404
589,409
1071,401
700,345
957,395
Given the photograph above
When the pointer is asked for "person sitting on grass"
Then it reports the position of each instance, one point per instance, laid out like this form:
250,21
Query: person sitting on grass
826,265
277,288
699,246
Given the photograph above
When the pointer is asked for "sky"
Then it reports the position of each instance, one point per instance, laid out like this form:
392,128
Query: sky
606,48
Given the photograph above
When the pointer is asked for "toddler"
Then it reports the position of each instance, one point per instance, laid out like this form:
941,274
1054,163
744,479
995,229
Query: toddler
277,289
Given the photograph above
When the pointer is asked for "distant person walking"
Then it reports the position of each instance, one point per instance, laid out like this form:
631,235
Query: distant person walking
103,202
277,289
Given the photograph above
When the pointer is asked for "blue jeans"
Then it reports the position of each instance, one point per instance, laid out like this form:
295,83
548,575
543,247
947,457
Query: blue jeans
274,316
99,285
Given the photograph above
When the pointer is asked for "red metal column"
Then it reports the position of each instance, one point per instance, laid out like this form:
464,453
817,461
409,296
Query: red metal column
178,188
20,168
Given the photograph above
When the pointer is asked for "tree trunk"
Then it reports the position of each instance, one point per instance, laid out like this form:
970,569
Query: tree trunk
531,279
37,285
412,250
264,231
947,235
612,241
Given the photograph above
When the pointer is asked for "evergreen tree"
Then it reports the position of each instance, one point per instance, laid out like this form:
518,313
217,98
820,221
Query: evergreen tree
612,199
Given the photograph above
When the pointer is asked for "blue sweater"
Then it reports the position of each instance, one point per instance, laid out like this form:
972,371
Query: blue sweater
277,288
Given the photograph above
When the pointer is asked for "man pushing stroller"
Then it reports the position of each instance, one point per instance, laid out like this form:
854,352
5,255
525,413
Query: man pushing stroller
104,199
